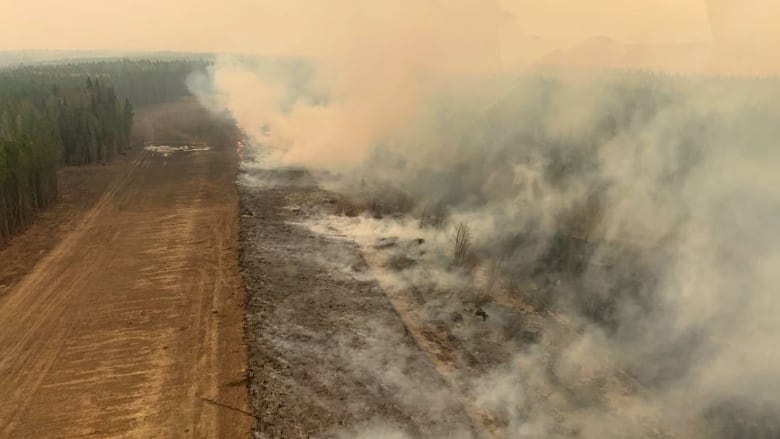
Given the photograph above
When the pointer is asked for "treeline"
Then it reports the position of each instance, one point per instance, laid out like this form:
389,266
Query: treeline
67,113
43,126
142,82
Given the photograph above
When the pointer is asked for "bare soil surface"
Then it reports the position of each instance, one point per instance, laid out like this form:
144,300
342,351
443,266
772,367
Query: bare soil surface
80,188
124,319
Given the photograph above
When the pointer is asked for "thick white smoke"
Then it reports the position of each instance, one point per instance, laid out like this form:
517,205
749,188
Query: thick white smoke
643,206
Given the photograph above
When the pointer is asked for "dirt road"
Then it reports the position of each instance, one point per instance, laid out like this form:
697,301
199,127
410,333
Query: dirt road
131,326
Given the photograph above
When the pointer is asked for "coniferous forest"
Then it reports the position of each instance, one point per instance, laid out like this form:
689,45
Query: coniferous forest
70,114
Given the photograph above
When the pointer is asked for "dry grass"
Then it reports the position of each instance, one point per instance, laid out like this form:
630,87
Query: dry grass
385,201
434,216
462,252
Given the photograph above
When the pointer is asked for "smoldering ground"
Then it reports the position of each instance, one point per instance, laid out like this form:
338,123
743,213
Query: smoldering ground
619,274
626,202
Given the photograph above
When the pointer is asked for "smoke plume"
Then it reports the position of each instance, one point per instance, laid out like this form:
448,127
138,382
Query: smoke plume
638,208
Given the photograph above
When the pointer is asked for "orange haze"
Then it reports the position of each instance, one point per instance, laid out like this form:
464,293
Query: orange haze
731,36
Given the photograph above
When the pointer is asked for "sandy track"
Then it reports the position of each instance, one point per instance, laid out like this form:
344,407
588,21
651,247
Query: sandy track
134,317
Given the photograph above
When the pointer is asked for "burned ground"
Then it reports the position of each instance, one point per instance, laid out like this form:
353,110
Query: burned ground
327,351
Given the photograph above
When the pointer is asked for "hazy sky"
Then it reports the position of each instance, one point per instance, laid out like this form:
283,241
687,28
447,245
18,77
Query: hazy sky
221,25
625,20
526,29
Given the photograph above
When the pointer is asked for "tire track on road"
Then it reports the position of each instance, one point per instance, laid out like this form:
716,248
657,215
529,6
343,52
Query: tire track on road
112,333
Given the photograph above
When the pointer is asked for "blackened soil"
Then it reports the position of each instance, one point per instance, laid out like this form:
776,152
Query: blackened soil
328,354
